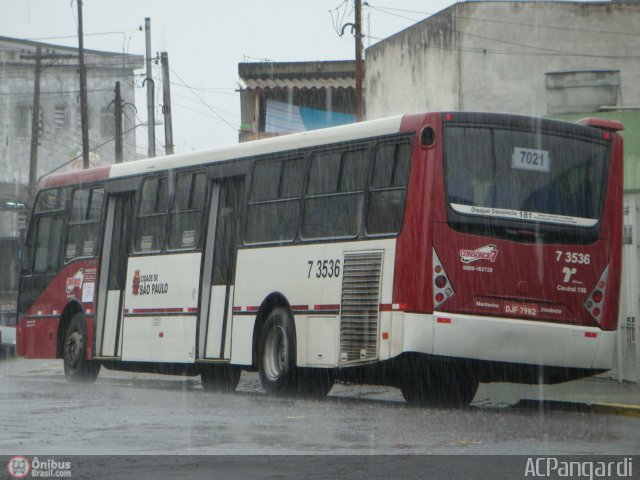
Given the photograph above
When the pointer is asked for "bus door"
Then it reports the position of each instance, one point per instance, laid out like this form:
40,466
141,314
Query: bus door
219,270
115,253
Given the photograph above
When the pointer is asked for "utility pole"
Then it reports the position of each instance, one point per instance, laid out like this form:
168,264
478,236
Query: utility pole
358,34
118,119
83,92
166,104
150,106
35,124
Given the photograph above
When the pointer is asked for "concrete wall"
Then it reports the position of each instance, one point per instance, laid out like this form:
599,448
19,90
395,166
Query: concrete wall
493,56
414,70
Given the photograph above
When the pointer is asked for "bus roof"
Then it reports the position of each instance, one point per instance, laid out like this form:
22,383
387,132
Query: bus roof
355,131
384,126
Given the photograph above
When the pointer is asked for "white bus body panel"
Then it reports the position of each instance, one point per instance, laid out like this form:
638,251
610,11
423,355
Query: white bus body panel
160,308
288,271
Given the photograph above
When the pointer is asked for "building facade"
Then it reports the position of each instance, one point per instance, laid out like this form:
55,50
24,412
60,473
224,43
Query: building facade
59,140
534,58
277,98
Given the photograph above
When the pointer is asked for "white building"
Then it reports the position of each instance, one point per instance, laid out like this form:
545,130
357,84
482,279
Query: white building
60,133
535,58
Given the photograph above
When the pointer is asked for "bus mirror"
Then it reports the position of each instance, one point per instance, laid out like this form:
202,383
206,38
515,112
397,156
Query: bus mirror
428,137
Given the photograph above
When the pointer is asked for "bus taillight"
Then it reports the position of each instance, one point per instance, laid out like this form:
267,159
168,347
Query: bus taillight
442,288
595,300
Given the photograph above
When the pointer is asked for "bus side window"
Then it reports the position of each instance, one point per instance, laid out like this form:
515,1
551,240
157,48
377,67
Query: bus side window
387,191
335,194
186,214
84,223
274,205
152,215
45,234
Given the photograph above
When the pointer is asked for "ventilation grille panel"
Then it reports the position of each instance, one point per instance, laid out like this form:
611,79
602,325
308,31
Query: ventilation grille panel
359,307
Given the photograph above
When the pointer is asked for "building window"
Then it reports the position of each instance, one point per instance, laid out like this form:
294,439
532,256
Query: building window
60,118
107,124
23,121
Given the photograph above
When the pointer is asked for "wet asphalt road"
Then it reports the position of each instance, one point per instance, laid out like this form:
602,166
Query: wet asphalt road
126,413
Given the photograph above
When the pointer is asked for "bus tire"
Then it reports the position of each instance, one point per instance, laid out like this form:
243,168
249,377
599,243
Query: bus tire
277,353
220,378
77,369
440,388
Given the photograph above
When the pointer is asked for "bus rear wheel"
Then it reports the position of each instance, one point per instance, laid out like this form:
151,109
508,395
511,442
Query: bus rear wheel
451,387
77,369
277,353
220,378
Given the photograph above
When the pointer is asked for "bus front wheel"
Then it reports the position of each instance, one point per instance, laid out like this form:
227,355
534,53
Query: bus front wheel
220,378
77,368
276,353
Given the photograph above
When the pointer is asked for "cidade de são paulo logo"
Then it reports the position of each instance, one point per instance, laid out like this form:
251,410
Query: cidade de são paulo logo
488,252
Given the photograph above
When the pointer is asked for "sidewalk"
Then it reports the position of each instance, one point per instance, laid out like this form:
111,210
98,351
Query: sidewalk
598,395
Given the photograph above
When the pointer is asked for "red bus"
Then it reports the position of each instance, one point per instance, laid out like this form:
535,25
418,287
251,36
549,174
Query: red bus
429,252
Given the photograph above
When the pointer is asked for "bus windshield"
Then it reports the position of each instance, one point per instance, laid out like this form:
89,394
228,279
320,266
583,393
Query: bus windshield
534,176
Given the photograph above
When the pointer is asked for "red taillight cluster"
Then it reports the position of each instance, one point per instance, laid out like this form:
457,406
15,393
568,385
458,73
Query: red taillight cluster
595,300
442,288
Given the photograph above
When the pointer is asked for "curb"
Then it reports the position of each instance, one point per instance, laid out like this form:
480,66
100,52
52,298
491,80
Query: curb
620,409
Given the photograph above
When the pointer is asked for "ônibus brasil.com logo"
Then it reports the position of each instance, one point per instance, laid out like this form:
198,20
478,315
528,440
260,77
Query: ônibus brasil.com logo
21,467
18,467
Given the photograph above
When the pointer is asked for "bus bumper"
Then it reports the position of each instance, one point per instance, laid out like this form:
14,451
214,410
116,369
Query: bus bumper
494,339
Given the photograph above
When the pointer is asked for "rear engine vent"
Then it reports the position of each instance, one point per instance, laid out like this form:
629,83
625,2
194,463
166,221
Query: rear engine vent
361,277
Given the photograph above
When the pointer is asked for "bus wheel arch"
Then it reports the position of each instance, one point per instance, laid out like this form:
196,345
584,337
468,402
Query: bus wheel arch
68,313
271,302
77,368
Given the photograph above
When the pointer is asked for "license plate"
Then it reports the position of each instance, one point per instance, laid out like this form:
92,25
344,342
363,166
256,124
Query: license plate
520,309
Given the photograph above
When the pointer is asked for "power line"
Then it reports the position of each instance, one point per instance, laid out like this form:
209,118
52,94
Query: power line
220,117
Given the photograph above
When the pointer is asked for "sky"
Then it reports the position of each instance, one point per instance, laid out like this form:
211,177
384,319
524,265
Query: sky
205,40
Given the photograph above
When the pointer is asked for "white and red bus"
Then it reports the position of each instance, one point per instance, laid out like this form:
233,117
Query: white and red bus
427,251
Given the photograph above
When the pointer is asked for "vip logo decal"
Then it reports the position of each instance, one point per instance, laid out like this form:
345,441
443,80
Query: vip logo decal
75,281
488,252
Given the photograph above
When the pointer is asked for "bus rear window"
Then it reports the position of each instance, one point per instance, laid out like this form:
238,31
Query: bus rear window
525,175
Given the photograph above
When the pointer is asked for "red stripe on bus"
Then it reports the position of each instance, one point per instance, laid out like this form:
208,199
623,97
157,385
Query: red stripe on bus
237,309
298,308
591,334
326,307
443,320
156,310
253,309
